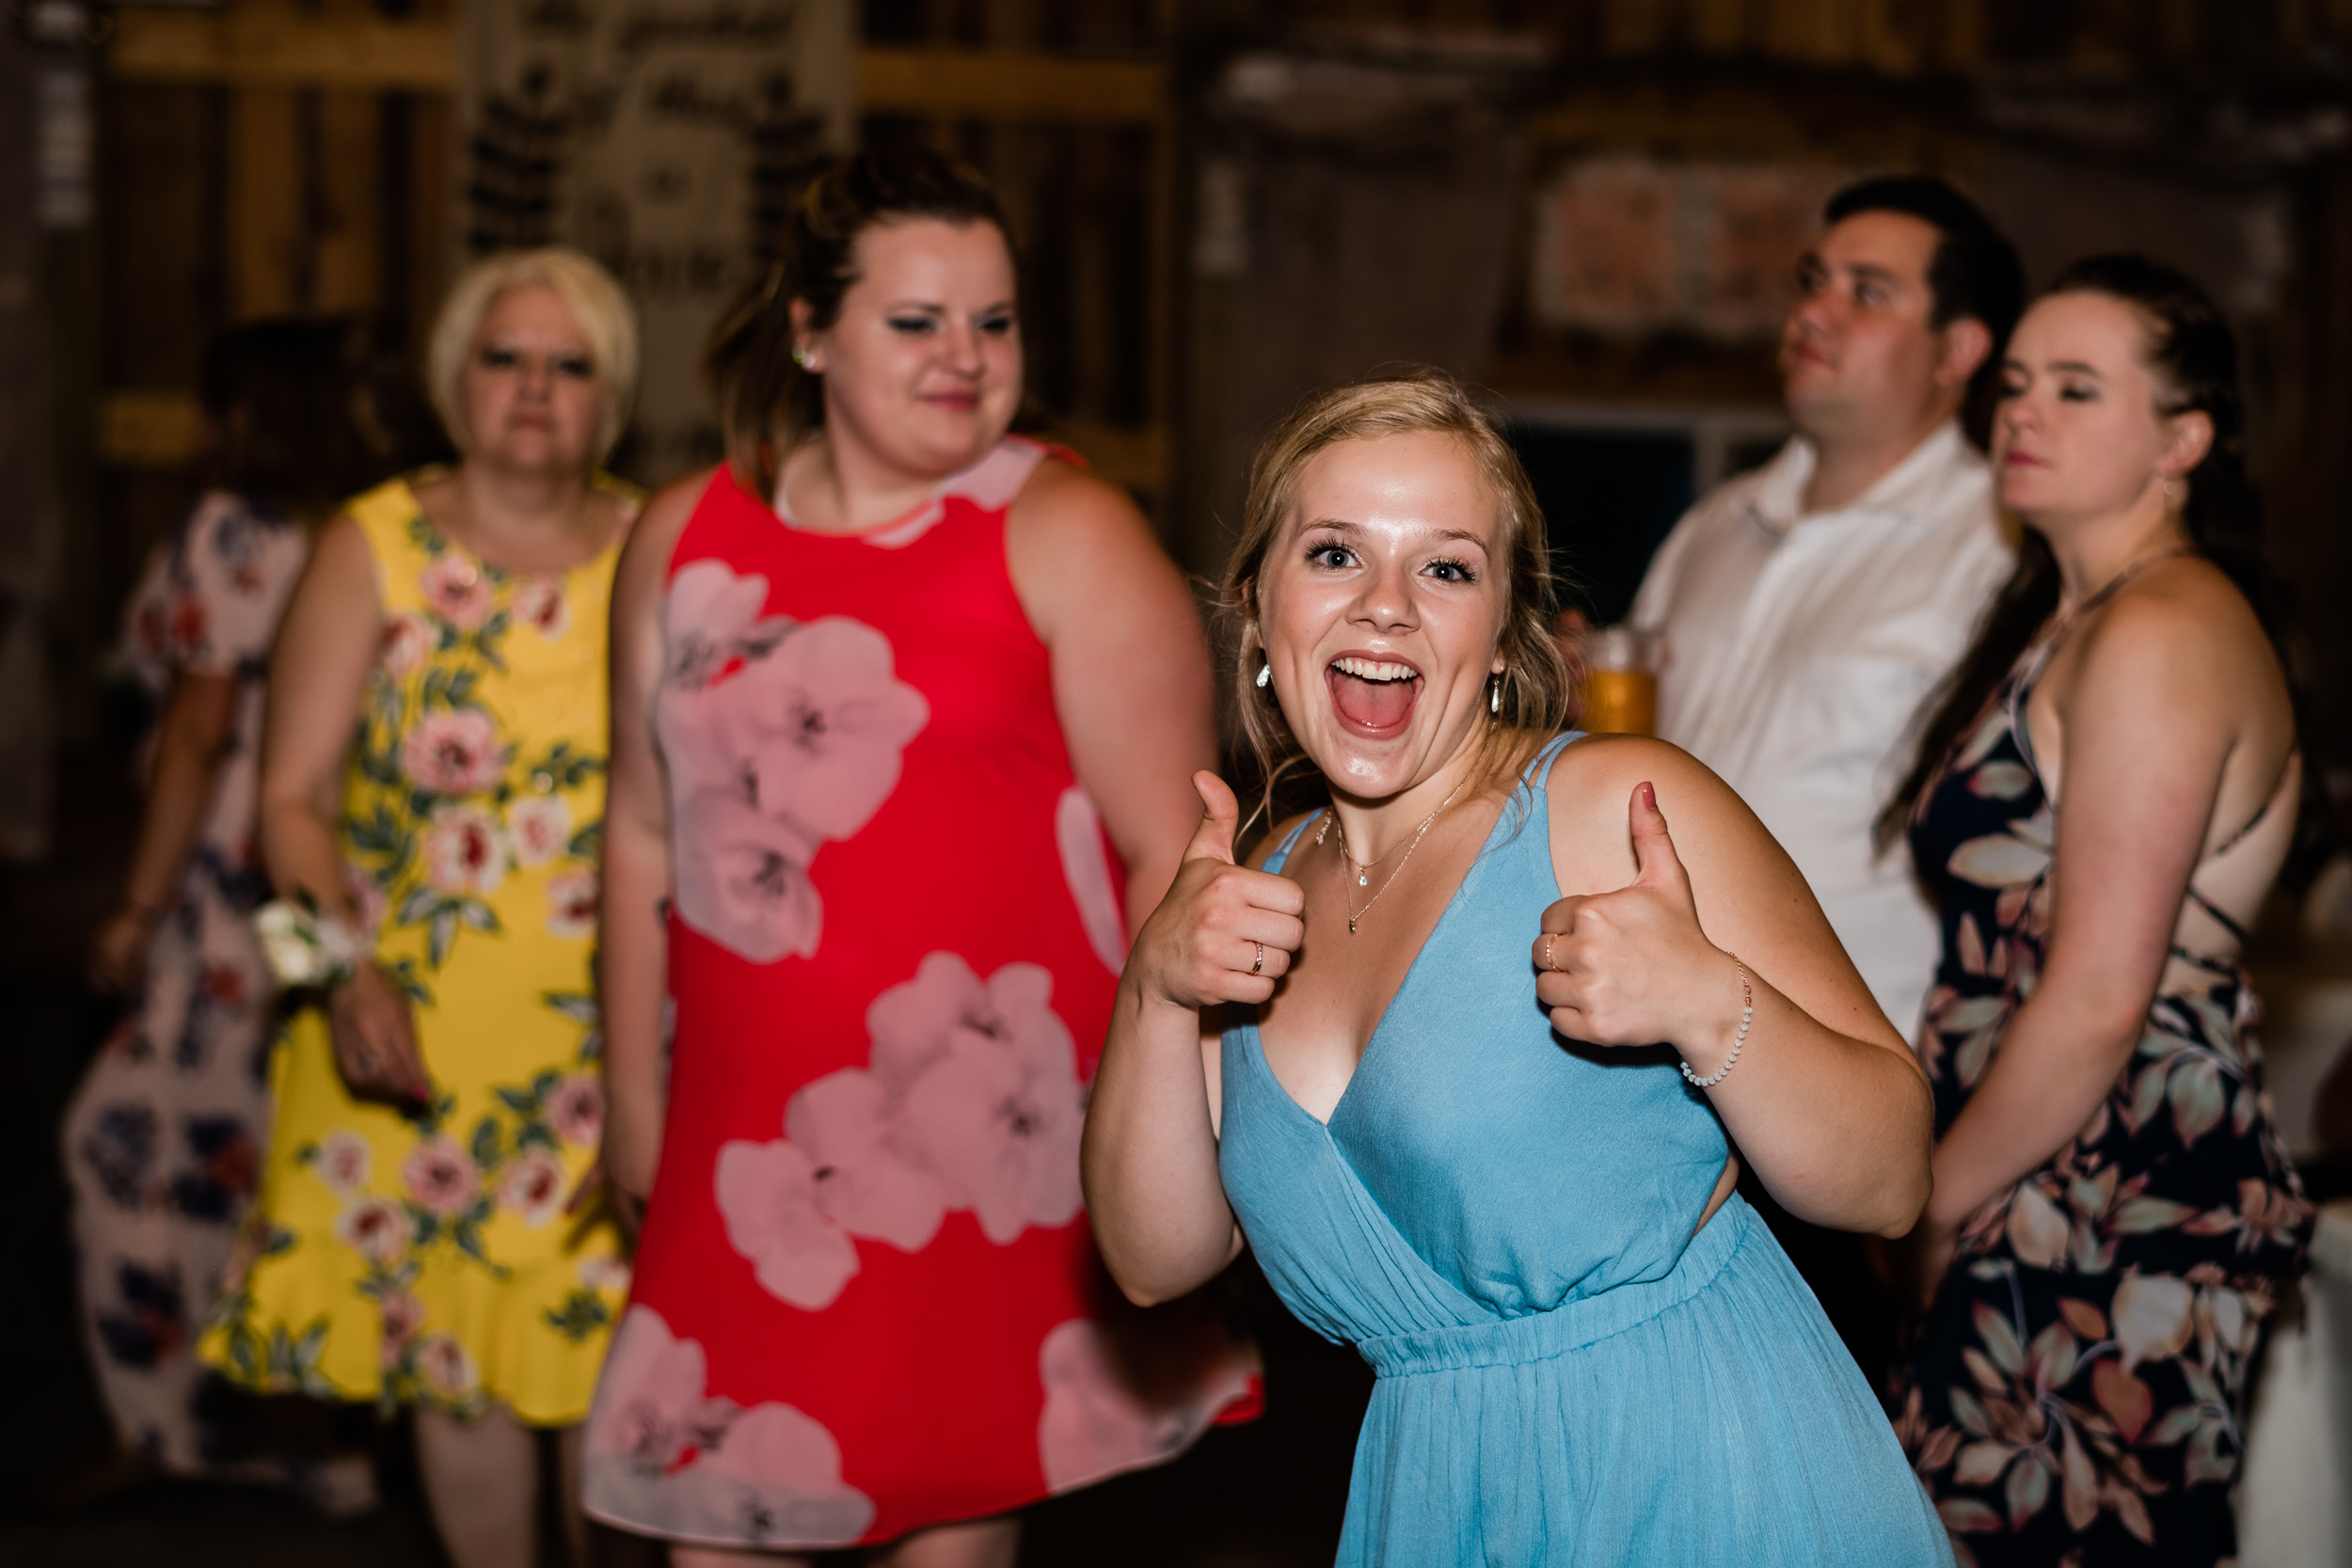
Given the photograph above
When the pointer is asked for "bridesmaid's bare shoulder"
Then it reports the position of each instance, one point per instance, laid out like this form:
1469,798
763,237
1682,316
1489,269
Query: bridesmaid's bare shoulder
1590,793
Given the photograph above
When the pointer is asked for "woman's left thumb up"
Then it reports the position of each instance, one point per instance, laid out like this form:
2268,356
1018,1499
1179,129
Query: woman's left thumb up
1654,857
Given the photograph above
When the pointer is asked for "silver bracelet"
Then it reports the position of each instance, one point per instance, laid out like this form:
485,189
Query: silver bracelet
1747,1012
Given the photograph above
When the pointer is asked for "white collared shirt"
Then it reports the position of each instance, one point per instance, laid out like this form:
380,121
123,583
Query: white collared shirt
1800,646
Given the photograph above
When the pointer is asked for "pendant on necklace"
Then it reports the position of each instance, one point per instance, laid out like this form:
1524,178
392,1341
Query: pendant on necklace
1351,924
1363,880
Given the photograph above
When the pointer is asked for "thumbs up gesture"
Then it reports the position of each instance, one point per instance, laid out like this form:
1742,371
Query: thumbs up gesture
1633,967
1224,933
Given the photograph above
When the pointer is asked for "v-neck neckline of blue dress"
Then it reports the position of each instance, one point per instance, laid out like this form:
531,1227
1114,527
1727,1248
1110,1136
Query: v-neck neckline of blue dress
1536,801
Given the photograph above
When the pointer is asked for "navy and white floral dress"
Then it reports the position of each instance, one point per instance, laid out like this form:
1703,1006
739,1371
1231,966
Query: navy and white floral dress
2077,1396
163,1141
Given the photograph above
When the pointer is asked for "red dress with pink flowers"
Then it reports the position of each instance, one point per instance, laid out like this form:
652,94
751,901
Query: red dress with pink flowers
866,1300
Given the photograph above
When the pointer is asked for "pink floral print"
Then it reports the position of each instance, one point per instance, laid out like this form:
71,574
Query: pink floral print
847,1121
454,751
447,1368
344,1162
712,624
374,1228
576,1108
539,828
972,1102
1096,1423
465,854
778,737
403,1315
665,1455
572,904
742,878
1086,866
604,1272
532,1186
440,1177
766,1194
408,639
540,604
819,724
458,590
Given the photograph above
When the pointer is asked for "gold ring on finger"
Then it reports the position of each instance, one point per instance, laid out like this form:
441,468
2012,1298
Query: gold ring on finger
1550,937
1258,963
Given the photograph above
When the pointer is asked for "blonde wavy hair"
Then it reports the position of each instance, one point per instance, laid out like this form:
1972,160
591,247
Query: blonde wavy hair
597,302
1536,687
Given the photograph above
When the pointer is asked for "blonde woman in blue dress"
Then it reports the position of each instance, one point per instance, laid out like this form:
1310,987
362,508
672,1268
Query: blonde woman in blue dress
1484,1131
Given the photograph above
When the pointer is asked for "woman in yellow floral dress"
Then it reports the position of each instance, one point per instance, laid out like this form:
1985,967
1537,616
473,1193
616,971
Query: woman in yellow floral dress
431,799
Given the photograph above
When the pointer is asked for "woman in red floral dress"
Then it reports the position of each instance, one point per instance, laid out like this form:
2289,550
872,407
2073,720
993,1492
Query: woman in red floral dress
905,712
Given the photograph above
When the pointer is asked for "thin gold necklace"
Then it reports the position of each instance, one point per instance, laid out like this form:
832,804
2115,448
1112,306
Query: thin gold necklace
1363,868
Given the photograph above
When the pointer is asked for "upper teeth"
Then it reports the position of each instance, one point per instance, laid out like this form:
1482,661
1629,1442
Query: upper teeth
1371,670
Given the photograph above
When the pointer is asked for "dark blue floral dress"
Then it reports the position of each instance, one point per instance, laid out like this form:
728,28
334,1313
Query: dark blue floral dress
2077,1396
163,1142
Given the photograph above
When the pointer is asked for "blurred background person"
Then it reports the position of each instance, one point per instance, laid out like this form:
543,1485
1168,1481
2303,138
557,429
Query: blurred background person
1807,607
432,786
2114,1212
162,1143
1810,605
904,712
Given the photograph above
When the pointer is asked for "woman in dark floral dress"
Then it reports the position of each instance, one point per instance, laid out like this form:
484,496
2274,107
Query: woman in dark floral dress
2114,1213
163,1141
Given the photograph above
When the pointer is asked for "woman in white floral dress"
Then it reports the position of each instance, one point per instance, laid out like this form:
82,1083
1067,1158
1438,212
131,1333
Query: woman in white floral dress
162,1140
414,1246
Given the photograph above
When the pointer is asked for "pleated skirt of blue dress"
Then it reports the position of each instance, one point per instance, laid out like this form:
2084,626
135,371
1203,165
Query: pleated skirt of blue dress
1706,1420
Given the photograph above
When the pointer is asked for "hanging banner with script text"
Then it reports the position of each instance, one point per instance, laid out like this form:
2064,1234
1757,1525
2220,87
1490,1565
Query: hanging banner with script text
665,138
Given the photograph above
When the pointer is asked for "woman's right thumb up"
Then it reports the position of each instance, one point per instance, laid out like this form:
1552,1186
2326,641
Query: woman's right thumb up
1221,814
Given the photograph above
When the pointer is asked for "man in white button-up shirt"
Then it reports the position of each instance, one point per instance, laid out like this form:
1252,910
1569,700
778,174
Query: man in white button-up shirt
1809,606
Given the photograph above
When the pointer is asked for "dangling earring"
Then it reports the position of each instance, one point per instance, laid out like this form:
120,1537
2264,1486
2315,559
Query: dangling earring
1265,675
2173,488
1494,693
799,355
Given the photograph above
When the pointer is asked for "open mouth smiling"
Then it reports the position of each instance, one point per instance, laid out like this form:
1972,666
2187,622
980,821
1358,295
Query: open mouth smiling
1373,696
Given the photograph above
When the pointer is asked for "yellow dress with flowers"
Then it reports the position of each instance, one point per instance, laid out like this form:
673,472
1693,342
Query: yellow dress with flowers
426,1255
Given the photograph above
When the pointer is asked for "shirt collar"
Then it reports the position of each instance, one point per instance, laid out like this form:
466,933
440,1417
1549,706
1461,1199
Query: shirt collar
1911,489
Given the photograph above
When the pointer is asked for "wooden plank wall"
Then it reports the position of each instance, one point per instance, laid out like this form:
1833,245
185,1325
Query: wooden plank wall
304,156
267,156
300,145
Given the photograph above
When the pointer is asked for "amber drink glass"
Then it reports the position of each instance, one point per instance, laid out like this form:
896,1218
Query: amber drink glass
1621,680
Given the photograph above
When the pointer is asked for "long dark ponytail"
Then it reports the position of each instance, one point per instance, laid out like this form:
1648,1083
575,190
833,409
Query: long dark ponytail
2193,355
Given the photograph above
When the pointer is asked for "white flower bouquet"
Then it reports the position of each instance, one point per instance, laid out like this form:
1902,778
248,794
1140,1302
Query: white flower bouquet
305,946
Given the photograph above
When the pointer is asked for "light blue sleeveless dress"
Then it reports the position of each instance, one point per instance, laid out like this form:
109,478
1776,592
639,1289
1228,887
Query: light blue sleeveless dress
1499,1220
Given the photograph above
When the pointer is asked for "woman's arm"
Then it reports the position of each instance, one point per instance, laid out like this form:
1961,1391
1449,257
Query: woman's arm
1824,1102
1132,685
1148,1159
317,673
199,721
2152,709
634,948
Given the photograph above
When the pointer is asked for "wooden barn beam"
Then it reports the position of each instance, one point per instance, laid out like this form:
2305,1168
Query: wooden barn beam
1011,84
153,44
363,53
